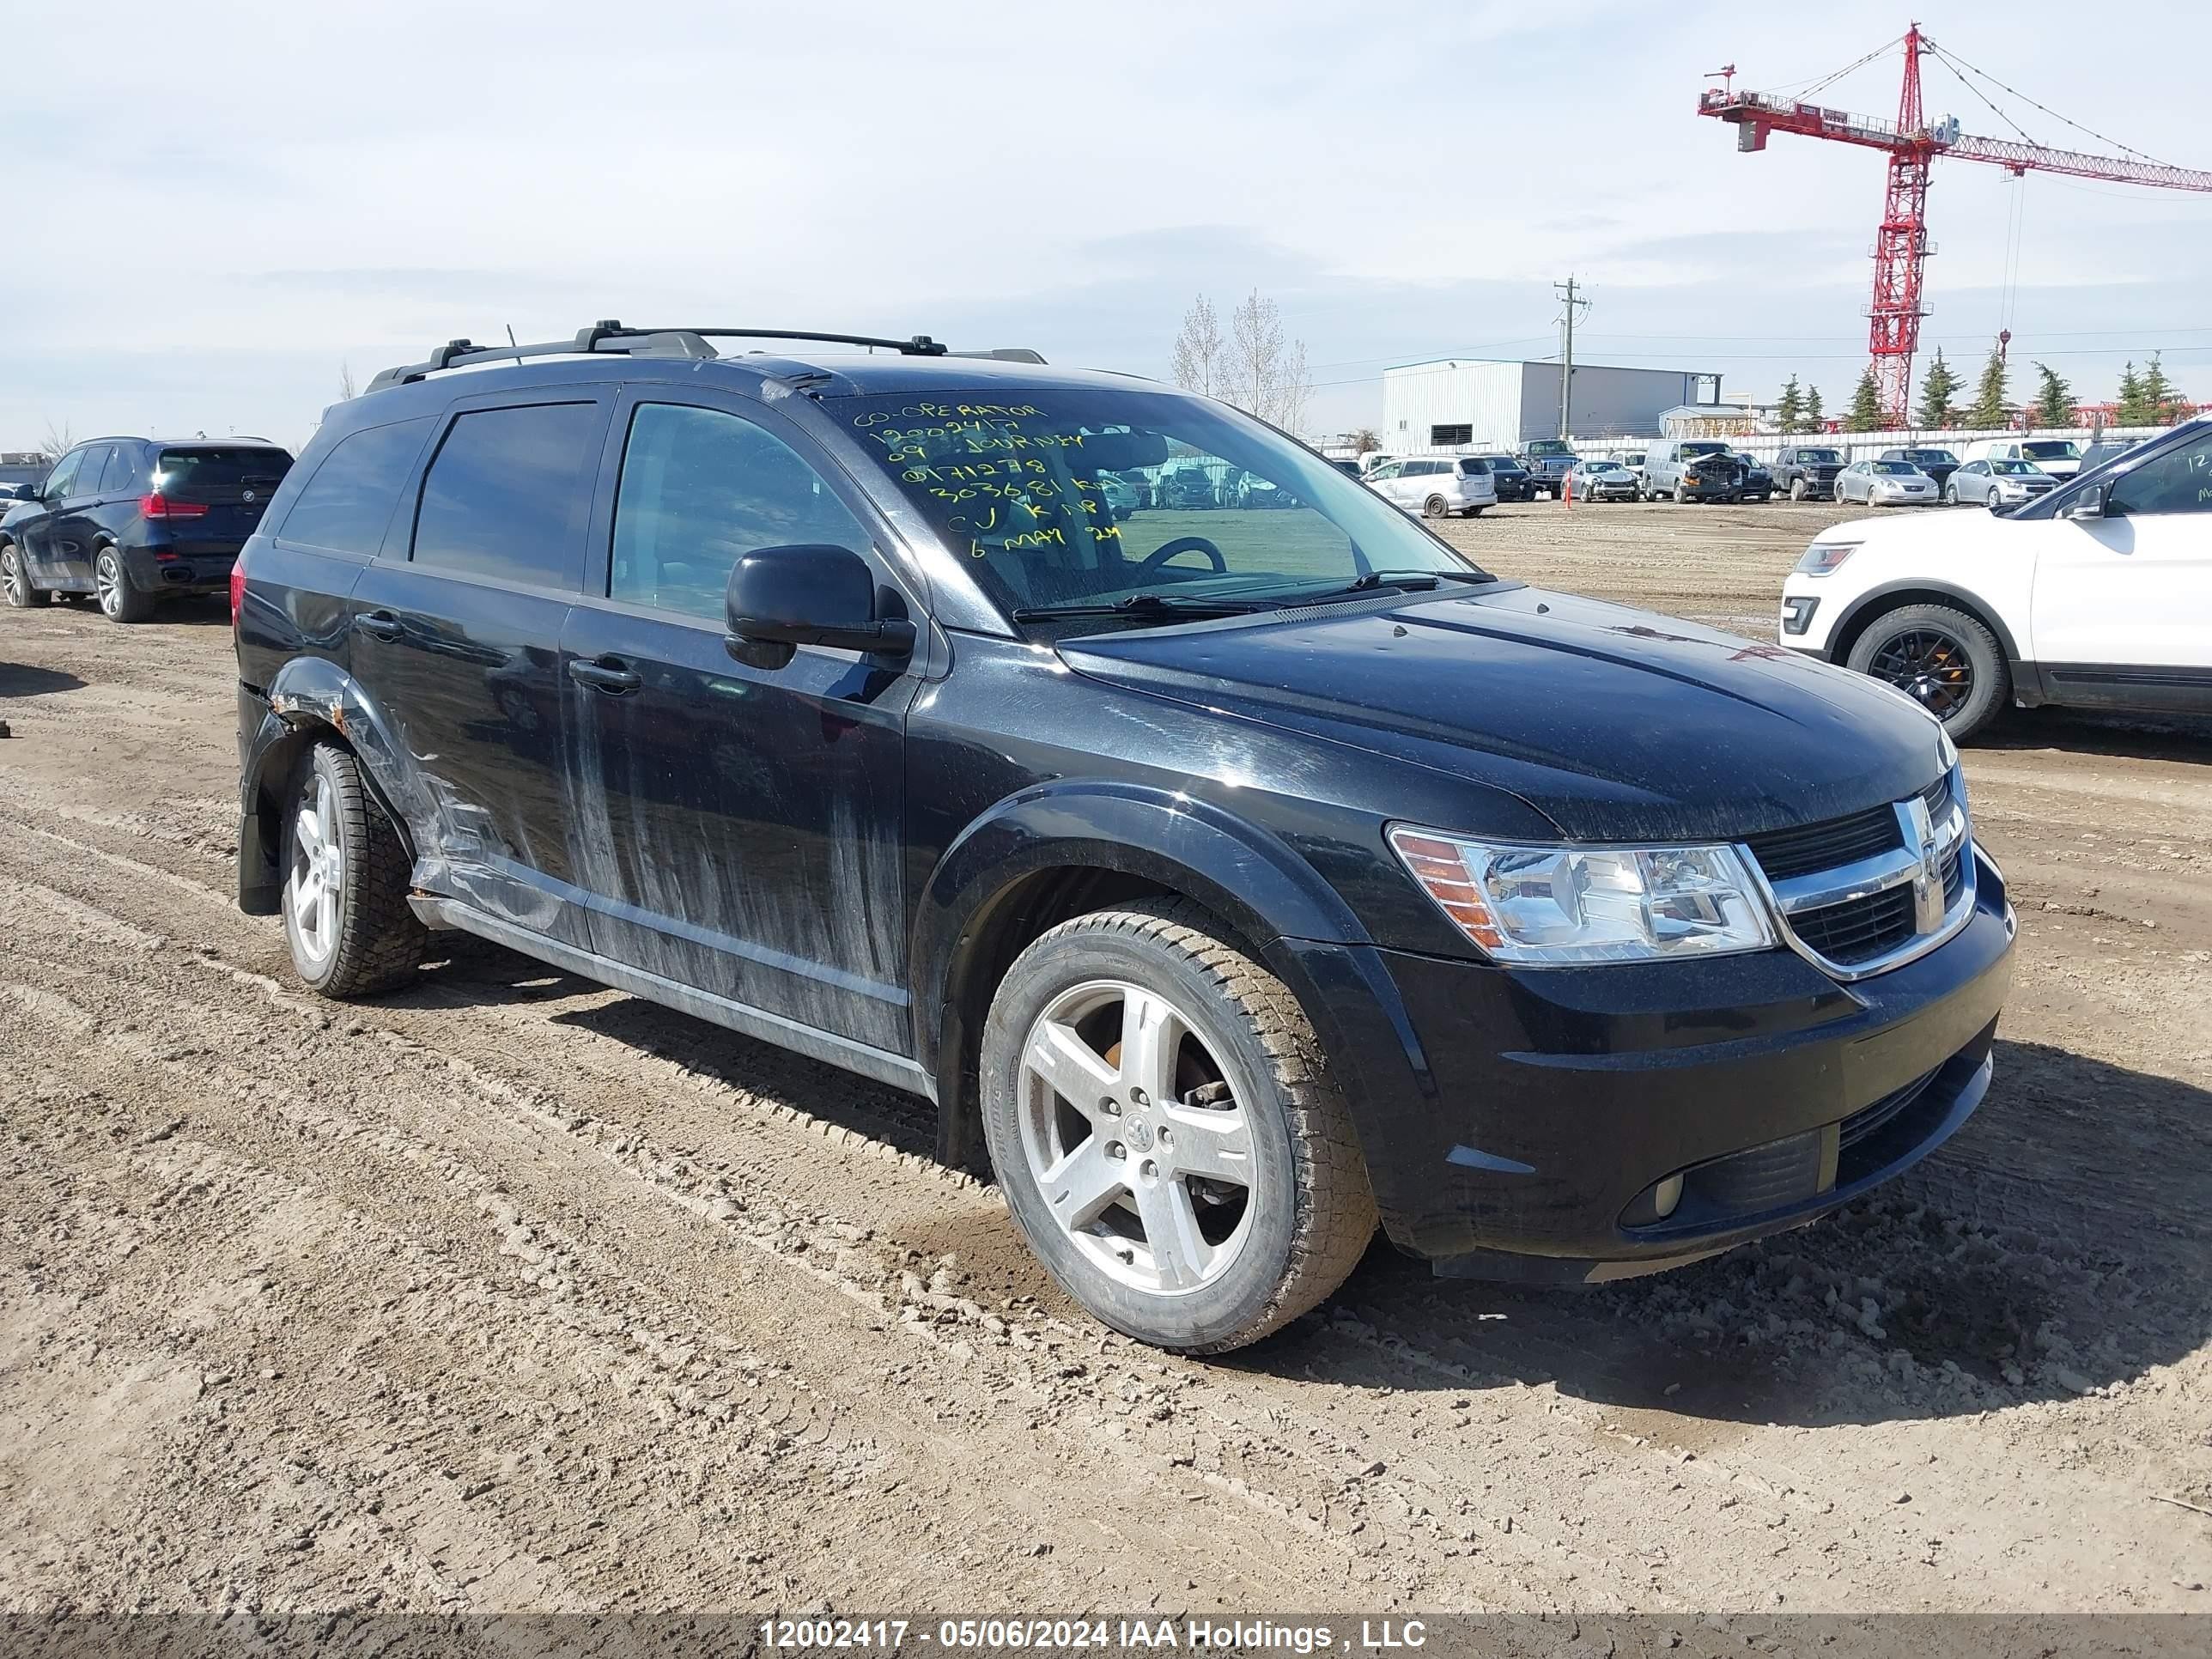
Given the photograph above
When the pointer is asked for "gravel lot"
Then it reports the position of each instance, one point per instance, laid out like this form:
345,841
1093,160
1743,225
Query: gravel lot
509,1292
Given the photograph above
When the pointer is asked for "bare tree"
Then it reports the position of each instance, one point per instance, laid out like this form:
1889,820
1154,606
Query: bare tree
345,382
1255,354
1365,442
56,440
1198,350
1293,389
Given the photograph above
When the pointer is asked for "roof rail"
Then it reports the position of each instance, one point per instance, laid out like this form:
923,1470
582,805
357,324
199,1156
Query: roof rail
638,342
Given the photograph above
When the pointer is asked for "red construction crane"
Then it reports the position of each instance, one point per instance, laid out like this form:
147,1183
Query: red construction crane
1901,245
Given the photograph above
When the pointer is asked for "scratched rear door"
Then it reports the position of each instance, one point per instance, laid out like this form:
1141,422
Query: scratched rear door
737,828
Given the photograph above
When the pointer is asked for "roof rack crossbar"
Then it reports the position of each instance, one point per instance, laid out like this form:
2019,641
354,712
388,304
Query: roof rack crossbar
610,336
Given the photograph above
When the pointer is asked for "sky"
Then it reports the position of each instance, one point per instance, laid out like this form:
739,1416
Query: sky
244,201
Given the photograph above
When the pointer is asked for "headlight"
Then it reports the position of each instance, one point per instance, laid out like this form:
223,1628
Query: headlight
1558,906
1822,558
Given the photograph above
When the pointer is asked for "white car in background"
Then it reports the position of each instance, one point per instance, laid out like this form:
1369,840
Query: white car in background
1885,483
1996,484
1438,486
2060,456
2097,594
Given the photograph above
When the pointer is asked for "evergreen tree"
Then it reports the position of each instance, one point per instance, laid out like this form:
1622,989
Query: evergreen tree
1790,411
1988,413
1816,419
2160,400
1939,394
1866,414
2129,410
2054,399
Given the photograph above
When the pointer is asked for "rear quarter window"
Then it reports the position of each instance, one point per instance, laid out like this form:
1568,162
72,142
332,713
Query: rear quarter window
349,499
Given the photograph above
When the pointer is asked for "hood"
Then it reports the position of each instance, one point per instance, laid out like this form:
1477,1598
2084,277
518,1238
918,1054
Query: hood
1618,725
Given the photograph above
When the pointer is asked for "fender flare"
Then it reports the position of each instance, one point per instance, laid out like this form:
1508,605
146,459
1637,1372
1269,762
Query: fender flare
1256,883
1872,599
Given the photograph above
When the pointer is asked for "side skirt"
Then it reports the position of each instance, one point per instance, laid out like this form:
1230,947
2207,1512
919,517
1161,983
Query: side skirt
827,1047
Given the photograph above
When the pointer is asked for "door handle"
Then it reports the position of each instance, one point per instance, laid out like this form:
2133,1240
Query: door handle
607,675
379,624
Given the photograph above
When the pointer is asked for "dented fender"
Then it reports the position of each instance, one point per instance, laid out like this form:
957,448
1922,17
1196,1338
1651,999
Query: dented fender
276,727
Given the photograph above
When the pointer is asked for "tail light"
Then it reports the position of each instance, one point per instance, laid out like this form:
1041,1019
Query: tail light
158,506
237,591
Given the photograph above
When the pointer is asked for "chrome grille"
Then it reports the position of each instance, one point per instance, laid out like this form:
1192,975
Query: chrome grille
1865,893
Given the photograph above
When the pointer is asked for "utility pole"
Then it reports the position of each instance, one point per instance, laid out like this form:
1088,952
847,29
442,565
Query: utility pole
1566,291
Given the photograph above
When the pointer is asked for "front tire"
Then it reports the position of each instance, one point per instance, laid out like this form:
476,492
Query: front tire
344,897
1943,659
1167,1132
119,601
1797,491
1435,508
16,580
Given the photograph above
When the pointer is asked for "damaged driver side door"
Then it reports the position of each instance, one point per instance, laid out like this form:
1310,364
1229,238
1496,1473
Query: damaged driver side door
736,827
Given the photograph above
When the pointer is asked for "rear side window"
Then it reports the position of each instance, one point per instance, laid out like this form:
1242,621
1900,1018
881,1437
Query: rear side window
348,502
509,493
121,477
88,471
699,489
219,474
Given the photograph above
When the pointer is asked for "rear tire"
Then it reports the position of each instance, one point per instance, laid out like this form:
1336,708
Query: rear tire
16,587
346,880
1200,1222
118,600
1917,647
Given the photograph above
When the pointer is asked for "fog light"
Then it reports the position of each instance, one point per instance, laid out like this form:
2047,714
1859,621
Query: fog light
1665,1195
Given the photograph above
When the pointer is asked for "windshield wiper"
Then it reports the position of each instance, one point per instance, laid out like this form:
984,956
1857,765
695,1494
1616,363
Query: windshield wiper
1374,581
1173,605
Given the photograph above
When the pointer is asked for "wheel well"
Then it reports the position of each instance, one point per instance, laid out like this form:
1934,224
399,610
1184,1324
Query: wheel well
261,834
1005,927
1839,648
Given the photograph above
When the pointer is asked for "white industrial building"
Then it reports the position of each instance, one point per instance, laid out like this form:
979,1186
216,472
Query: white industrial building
1460,403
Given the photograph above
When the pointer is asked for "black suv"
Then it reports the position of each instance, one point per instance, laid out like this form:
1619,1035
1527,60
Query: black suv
1228,890
1513,480
135,520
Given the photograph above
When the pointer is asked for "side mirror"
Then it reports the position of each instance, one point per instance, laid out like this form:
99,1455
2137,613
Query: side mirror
28,492
781,598
2092,504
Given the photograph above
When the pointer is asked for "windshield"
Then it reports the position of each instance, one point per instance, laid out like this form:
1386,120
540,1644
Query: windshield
2012,466
1817,457
1939,456
1551,446
1013,484
1706,448
1893,466
2062,451
1504,464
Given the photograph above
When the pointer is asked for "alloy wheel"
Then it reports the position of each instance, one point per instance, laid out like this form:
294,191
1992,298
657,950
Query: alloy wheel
315,887
107,579
13,577
1136,1138
1931,667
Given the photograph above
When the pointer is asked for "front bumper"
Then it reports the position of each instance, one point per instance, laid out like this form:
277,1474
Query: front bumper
1513,1121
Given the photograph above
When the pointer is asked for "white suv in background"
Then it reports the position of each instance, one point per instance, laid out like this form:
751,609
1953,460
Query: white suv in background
2098,594
1438,486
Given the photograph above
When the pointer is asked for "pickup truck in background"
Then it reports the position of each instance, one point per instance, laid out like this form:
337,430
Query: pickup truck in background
1548,460
1806,472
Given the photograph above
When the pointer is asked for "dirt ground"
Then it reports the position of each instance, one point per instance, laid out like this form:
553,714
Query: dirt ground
509,1292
